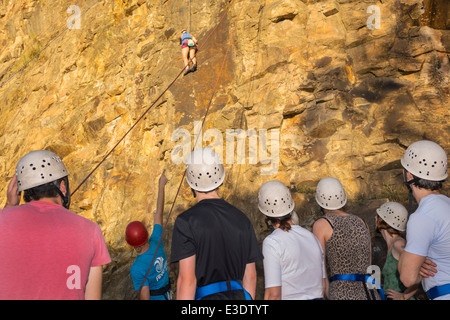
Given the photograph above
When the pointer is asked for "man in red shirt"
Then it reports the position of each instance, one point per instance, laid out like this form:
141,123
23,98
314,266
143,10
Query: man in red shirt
47,252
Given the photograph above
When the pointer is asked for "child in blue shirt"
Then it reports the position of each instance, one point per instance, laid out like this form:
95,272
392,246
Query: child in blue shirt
152,283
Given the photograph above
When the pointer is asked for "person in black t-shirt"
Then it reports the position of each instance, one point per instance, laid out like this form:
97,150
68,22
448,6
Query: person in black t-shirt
213,242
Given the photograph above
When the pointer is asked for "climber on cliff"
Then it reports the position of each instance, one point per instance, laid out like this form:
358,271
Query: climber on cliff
157,284
213,242
428,228
188,50
47,251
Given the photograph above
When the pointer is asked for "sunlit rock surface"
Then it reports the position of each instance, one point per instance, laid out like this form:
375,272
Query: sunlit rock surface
342,87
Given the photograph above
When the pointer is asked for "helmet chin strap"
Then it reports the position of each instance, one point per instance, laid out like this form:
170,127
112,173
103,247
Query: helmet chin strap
269,226
64,198
408,185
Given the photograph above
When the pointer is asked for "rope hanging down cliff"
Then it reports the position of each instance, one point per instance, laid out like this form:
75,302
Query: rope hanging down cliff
203,122
149,108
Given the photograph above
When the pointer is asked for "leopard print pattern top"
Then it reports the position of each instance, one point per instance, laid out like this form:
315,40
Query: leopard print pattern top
348,251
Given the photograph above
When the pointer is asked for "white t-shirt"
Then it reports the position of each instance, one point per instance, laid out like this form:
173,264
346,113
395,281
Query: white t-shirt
428,235
294,260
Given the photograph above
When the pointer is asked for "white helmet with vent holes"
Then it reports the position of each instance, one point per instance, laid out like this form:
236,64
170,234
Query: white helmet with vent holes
275,199
204,170
394,214
426,160
330,194
37,168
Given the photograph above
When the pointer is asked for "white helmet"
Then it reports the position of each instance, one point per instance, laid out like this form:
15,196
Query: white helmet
37,168
204,171
275,200
330,194
394,214
427,160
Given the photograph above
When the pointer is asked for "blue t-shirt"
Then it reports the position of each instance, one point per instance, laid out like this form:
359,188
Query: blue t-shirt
158,277
428,235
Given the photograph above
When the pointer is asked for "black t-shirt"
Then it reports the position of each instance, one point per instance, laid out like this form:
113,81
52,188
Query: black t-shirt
221,237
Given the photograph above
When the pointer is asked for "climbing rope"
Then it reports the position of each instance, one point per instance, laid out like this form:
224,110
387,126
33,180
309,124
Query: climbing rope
203,122
151,106
189,18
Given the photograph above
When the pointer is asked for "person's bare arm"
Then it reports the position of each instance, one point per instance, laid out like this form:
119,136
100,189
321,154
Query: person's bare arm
272,293
398,247
409,268
249,280
323,231
160,201
94,284
428,269
144,293
12,195
186,282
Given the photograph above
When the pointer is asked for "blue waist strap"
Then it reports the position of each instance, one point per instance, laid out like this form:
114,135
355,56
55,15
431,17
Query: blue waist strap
358,277
350,277
222,286
438,291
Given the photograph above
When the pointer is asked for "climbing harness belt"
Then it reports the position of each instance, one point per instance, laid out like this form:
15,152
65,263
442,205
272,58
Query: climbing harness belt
221,286
359,277
164,291
438,291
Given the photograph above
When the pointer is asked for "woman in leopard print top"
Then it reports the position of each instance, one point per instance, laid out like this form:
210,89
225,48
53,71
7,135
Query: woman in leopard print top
346,242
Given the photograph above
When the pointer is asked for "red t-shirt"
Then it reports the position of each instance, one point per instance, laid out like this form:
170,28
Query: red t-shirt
46,252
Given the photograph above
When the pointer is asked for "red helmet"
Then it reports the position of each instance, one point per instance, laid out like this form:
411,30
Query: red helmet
136,234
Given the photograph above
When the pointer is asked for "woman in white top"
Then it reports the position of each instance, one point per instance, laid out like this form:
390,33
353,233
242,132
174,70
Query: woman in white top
293,258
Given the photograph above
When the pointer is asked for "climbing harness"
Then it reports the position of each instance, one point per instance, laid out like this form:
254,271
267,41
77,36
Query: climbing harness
222,286
165,291
438,291
364,278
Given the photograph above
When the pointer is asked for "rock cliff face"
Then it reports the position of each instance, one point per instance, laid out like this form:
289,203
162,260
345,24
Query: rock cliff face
332,88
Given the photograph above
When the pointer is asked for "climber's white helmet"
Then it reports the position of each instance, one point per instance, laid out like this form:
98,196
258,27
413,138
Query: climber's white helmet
330,194
275,199
204,170
394,214
37,168
426,160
